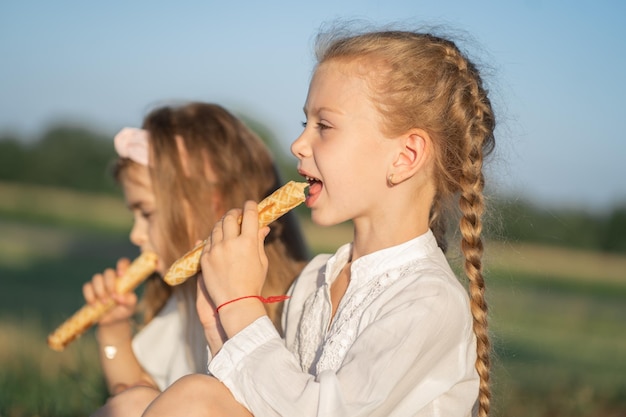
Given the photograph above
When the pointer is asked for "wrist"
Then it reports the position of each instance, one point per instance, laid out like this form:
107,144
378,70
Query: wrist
268,300
114,333
237,315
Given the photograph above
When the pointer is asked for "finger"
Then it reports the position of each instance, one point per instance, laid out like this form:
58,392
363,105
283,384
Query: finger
216,234
89,293
250,221
128,299
262,235
110,278
231,227
99,288
122,266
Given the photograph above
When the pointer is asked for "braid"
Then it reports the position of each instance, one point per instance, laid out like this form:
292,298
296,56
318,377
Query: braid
473,105
471,203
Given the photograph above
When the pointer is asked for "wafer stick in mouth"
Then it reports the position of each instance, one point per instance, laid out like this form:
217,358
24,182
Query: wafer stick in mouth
270,209
140,269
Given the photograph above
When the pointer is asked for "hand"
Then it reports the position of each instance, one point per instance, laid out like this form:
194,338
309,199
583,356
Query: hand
234,262
101,289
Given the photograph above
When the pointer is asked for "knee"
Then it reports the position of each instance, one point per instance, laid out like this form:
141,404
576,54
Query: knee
192,386
130,402
191,395
196,396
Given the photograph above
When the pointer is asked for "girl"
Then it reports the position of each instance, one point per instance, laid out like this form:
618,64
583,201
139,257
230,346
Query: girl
179,174
397,125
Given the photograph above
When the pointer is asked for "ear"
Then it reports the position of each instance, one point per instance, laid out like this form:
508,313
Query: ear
412,154
184,155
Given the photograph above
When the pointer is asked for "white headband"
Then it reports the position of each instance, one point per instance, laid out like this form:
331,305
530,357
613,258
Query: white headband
132,143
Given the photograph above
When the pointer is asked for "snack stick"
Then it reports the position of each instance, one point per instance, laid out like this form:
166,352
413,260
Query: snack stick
270,209
281,201
141,268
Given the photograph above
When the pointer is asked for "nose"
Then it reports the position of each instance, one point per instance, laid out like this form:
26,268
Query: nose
300,148
138,236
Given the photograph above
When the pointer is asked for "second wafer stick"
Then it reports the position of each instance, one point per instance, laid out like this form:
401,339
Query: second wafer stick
89,314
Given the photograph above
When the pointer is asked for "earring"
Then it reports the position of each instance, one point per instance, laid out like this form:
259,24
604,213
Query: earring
390,180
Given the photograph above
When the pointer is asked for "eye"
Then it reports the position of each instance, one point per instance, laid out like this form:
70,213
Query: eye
322,126
304,124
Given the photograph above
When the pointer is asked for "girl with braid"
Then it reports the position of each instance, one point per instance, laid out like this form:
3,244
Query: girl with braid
397,127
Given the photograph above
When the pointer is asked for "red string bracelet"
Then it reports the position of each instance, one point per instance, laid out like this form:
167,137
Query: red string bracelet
270,299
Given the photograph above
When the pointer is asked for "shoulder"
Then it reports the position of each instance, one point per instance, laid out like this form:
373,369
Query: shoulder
428,290
167,318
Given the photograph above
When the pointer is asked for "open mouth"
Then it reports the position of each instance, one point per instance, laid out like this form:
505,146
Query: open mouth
315,186
313,182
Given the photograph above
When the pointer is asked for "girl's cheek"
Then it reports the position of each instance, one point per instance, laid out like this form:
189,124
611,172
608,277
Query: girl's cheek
155,242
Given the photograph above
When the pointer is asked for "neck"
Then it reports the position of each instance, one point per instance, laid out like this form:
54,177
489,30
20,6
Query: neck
402,215
369,237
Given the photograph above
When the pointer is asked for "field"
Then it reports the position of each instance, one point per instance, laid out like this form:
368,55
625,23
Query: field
557,315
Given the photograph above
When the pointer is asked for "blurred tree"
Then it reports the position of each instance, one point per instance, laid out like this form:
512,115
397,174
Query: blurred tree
614,236
73,157
519,220
12,158
64,156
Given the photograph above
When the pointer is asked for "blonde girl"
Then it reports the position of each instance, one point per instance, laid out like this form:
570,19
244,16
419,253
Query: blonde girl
397,128
179,174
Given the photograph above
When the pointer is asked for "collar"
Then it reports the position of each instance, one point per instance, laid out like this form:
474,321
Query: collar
370,266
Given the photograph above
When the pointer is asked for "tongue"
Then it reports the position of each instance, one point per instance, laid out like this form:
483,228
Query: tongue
315,187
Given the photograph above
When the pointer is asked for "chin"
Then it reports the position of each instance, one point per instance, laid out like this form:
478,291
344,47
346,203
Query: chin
322,220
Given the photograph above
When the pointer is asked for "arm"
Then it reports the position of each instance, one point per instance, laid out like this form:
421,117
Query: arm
119,365
114,332
234,265
213,331
410,352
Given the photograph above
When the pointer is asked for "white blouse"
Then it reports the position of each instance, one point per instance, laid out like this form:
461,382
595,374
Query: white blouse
400,344
160,346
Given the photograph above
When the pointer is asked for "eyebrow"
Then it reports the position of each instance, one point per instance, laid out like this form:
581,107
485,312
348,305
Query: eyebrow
323,108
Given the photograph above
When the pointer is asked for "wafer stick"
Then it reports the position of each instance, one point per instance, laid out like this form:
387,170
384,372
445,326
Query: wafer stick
88,315
271,208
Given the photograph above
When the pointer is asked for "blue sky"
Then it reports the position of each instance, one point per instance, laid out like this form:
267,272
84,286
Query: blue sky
556,73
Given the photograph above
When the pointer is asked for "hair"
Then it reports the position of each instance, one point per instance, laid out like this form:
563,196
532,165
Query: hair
421,80
225,164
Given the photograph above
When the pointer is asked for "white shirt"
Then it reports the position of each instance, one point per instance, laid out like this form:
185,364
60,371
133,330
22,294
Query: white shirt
401,342
160,346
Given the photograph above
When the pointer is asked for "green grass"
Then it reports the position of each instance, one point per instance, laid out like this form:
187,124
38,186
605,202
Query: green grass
36,381
42,279
559,351
556,319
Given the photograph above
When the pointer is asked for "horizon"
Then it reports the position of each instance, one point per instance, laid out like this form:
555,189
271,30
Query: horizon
553,71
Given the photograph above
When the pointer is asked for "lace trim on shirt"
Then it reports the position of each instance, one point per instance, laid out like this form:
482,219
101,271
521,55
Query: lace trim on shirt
319,350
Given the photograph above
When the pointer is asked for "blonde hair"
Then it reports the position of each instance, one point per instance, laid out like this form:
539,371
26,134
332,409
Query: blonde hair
425,81
225,165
